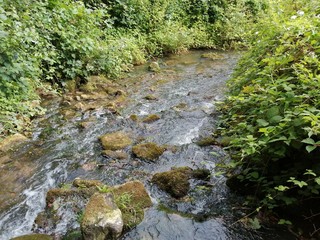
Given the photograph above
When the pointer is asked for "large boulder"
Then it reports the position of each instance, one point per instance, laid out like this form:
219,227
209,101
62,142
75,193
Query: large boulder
132,198
148,151
115,141
102,218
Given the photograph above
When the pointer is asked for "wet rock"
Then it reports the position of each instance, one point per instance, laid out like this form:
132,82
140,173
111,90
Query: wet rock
58,193
102,218
34,237
112,91
115,141
151,118
115,154
175,182
148,151
12,141
151,97
132,198
154,67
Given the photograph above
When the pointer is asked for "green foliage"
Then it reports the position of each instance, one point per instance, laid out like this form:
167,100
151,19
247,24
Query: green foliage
272,113
57,41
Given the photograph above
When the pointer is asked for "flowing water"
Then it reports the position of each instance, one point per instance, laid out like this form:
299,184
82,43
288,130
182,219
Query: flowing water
184,96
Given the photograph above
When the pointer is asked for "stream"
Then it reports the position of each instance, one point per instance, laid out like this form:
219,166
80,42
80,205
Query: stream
183,94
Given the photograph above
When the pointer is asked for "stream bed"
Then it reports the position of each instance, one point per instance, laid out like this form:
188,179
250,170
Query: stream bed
65,146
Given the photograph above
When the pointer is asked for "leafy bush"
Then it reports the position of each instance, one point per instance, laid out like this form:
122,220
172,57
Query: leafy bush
272,113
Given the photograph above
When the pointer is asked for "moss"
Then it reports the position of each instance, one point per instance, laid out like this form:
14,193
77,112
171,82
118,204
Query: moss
34,237
148,151
151,118
175,182
207,141
151,97
74,235
202,174
115,154
134,117
115,141
82,183
134,199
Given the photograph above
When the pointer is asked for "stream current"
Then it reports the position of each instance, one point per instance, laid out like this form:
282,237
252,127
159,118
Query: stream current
185,93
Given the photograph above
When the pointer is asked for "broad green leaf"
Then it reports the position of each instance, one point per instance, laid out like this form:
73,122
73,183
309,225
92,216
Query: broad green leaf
308,141
310,148
281,188
283,221
262,123
317,180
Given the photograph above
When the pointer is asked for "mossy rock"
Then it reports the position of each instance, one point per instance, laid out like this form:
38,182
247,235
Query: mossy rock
115,141
148,151
175,182
151,118
115,154
207,141
55,193
34,237
74,235
154,67
134,117
12,141
132,198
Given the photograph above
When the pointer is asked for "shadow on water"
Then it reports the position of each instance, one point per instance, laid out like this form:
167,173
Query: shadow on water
183,95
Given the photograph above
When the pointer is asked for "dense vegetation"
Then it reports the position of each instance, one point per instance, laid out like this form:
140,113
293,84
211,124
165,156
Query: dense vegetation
272,114
46,43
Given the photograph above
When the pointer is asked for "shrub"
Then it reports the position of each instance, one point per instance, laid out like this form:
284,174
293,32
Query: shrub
272,112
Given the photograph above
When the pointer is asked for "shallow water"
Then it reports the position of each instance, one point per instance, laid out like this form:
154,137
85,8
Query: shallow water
186,91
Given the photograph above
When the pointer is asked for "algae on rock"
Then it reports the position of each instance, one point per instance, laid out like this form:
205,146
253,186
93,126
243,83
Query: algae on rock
115,141
175,182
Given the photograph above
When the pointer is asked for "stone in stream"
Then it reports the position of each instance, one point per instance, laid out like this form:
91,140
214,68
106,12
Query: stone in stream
12,141
34,237
132,198
115,141
151,118
176,181
154,67
102,218
148,151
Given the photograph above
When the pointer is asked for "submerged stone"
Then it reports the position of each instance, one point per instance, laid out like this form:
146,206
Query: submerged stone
175,182
115,154
102,218
151,97
115,141
148,151
151,118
